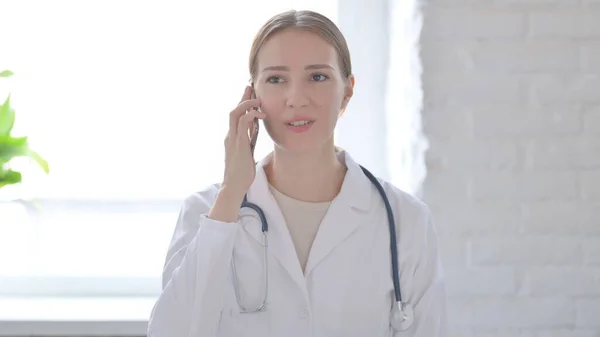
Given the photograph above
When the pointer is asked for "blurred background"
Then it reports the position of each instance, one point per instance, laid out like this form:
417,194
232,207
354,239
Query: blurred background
487,110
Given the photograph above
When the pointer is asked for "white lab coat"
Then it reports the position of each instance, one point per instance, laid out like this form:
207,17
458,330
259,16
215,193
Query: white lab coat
347,289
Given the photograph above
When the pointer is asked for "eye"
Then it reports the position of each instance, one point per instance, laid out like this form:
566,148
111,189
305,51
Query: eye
319,77
274,79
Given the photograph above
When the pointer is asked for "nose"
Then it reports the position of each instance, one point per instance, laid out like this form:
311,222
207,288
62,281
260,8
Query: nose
297,95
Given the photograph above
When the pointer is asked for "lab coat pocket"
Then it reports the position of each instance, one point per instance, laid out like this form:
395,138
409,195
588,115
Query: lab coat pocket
238,324
248,286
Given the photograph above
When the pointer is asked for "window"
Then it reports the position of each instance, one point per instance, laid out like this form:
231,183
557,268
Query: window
128,102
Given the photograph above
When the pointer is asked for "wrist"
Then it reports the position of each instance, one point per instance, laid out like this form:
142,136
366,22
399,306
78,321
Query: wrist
227,206
231,195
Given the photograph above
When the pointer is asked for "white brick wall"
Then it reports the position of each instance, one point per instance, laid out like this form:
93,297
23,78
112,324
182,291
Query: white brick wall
512,114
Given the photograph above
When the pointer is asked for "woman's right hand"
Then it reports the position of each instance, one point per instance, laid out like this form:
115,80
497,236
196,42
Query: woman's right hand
240,167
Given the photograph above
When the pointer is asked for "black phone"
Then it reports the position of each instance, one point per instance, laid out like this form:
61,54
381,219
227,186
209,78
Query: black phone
254,134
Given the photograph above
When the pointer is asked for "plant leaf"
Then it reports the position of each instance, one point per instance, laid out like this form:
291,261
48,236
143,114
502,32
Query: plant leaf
12,147
9,177
6,73
7,117
40,161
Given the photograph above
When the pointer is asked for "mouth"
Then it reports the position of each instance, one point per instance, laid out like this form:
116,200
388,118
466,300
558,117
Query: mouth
300,123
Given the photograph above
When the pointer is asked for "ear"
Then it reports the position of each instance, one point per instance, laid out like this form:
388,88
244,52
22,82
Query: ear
348,92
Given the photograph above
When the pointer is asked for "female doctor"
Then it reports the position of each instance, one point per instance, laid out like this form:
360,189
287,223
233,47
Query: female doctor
317,262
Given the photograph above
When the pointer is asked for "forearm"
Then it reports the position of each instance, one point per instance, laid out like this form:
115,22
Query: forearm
227,206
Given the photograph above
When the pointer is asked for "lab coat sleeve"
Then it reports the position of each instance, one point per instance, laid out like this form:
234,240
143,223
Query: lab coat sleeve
193,210
424,274
195,274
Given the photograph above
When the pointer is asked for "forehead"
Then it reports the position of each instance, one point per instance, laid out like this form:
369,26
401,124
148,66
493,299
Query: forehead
295,46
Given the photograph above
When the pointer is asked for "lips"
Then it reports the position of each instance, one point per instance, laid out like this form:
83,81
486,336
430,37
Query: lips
299,121
299,125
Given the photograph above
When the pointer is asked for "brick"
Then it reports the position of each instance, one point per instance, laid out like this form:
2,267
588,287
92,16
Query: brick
481,155
510,313
526,55
457,23
447,122
524,186
525,251
453,251
565,24
456,332
457,55
590,57
591,4
477,89
490,218
512,111
561,218
568,333
565,154
483,281
587,313
508,121
459,317
538,332
591,121
454,187
561,281
591,251
581,88
590,187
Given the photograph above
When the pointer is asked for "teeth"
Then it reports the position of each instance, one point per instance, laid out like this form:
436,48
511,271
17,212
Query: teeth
300,123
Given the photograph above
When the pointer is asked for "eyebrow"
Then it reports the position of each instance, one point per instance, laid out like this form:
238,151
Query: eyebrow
310,67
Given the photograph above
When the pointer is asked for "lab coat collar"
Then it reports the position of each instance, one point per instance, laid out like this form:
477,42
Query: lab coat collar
347,212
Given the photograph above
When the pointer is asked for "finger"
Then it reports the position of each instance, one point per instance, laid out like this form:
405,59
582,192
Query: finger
235,115
240,110
247,120
249,104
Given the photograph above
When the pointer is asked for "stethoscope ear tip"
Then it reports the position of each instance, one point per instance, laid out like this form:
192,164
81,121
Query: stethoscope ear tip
402,316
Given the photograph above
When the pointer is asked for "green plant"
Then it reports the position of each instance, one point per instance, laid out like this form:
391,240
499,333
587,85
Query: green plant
12,147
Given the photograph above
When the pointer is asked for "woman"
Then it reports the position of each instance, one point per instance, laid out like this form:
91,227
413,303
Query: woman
328,252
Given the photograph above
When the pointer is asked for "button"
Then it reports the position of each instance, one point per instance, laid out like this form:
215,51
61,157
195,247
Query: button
303,313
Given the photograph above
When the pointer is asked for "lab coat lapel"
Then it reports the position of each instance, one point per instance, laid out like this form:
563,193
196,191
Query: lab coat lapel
280,243
345,215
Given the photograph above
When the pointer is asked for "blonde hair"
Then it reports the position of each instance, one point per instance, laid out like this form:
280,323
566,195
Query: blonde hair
305,20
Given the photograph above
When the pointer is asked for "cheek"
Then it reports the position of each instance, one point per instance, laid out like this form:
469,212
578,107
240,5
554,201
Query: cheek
270,99
327,96
323,97
271,108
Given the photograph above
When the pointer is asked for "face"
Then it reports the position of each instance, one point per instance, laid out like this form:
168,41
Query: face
302,90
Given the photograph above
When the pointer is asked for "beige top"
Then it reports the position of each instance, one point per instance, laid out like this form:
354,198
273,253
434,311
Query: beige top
303,220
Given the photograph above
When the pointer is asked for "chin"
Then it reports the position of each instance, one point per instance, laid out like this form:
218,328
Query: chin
310,145
309,142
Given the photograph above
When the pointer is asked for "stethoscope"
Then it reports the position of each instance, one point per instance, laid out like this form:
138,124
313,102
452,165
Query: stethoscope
402,314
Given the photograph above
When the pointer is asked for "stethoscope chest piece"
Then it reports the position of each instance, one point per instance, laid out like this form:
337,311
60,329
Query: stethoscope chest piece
402,316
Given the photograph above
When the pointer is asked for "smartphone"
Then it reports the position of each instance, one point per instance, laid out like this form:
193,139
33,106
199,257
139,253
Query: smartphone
254,134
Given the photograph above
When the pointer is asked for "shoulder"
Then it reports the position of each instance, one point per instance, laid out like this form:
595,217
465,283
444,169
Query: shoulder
412,216
194,206
201,199
409,206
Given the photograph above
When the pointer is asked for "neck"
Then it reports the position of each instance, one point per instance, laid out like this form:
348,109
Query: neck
311,177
